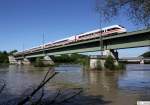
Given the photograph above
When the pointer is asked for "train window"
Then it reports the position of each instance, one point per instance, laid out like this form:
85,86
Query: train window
60,41
85,35
102,31
112,29
47,45
121,26
96,32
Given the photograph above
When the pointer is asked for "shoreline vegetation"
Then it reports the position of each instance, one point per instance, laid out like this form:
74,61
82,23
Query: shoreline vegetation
110,63
70,59
80,59
4,57
64,59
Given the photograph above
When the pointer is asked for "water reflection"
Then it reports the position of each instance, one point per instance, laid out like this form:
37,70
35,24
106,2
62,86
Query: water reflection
136,79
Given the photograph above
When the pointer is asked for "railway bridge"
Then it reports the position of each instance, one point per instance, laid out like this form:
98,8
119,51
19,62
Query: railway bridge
140,38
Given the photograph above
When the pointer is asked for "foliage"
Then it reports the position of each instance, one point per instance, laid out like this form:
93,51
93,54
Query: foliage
12,52
38,63
109,63
4,57
98,66
73,58
146,54
138,11
120,66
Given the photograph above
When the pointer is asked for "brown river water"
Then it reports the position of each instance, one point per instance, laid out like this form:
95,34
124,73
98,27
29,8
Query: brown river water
124,87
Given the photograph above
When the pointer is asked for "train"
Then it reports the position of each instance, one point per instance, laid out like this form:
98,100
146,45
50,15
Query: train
105,32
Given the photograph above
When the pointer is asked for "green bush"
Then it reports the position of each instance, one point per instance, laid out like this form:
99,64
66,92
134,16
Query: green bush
73,58
120,66
4,57
38,63
146,54
109,63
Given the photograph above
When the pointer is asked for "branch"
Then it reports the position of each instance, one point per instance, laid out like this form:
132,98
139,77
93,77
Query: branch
74,95
3,86
58,94
36,90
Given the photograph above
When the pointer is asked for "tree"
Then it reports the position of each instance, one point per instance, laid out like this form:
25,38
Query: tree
138,11
12,52
109,63
146,54
4,57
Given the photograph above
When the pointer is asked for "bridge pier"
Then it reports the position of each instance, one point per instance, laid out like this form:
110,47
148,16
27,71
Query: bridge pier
12,60
47,60
19,62
95,61
112,52
100,60
26,61
142,61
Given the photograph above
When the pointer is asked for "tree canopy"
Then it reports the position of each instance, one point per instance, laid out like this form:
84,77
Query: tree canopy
3,57
13,51
138,11
146,54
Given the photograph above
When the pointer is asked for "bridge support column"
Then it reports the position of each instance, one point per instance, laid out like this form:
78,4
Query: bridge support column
12,60
19,62
47,60
95,61
142,61
113,53
26,61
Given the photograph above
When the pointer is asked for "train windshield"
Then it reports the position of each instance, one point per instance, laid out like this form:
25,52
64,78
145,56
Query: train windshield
121,26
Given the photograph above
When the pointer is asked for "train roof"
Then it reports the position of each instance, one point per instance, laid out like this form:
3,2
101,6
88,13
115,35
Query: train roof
63,39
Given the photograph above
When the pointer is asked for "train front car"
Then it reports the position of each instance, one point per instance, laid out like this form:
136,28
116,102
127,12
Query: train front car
122,29
107,31
113,30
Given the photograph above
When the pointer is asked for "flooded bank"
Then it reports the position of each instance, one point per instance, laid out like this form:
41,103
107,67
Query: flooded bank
100,87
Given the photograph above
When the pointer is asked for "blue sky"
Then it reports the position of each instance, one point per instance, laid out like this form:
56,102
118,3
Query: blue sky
24,22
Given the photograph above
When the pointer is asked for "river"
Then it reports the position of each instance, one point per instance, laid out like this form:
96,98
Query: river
124,87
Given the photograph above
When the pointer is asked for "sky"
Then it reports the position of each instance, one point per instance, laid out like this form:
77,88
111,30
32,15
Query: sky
23,22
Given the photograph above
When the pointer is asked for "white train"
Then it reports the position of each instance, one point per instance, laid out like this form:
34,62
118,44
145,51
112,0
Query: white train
107,31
